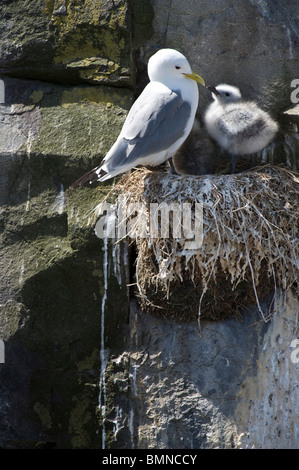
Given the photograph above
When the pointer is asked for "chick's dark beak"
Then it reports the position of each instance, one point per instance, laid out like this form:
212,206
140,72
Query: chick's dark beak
212,89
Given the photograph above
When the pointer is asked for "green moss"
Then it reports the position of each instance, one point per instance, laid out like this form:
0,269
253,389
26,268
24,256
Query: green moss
80,123
43,414
52,262
89,361
59,276
11,316
75,42
36,96
87,37
82,427
104,97
49,7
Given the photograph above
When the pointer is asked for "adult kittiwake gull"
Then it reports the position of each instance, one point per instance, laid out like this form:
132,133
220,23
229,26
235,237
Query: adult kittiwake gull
158,122
240,127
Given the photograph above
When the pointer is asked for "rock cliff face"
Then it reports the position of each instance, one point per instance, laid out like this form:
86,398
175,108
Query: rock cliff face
248,44
233,387
51,261
67,41
84,366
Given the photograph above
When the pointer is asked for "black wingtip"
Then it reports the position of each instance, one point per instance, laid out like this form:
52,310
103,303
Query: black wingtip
91,177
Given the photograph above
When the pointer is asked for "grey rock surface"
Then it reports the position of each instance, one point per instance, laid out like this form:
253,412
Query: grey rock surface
252,45
235,386
67,42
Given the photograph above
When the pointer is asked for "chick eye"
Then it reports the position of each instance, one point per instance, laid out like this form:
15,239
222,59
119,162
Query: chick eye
177,67
227,94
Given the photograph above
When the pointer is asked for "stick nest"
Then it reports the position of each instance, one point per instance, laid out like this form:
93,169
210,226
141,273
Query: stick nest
250,241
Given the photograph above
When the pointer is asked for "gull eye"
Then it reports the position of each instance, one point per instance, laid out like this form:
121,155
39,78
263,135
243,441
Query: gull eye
227,94
177,67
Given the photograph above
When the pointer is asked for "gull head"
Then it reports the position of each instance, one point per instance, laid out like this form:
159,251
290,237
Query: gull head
224,93
170,66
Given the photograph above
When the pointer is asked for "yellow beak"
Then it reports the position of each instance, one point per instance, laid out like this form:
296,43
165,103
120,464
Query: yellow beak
195,77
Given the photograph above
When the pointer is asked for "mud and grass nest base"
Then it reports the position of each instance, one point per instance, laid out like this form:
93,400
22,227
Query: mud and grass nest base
249,246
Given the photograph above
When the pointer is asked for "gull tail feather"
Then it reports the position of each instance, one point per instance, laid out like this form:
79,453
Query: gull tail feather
91,177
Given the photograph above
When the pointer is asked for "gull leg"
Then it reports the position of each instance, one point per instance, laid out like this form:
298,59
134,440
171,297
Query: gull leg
233,162
173,171
252,161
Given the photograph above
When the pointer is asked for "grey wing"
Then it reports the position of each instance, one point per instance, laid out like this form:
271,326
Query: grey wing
153,124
